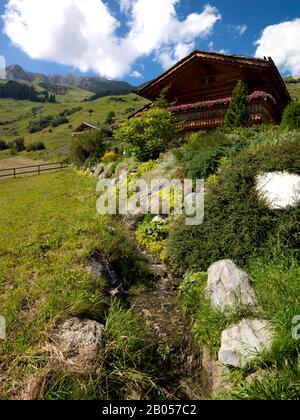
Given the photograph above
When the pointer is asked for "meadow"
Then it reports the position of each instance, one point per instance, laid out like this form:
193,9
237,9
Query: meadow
49,229
16,116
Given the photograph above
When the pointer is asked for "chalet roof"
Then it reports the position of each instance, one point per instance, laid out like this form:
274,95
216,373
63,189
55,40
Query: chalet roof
266,66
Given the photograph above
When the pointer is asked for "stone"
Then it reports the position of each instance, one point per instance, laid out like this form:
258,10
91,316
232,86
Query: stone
245,341
99,269
123,176
78,337
214,375
133,217
255,377
159,219
280,189
229,288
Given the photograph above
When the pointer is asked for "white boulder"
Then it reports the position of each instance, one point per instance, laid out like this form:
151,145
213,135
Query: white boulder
280,189
229,288
244,342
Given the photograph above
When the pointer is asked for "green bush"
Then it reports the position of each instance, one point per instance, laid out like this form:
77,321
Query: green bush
153,236
39,125
87,146
201,156
149,135
110,118
3,145
59,121
291,116
39,145
238,112
18,145
237,222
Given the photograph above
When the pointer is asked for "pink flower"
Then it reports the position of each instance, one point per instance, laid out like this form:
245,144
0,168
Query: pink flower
257,95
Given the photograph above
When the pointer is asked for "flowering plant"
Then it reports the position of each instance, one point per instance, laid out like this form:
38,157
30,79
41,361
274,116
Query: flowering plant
109,156
223,102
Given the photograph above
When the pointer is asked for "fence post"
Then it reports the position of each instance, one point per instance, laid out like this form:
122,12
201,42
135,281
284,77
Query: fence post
14,173
39,170
61,166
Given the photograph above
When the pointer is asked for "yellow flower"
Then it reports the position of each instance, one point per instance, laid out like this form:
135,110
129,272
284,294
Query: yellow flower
109,156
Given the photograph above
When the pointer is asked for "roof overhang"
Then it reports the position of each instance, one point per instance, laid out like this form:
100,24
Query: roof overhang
264,66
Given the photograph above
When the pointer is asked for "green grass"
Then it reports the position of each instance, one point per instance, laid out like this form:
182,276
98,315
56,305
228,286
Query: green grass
49,229
18,114
294,90
126,370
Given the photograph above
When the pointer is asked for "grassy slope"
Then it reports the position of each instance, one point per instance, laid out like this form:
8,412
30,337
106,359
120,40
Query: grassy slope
43,263
20,113
294,89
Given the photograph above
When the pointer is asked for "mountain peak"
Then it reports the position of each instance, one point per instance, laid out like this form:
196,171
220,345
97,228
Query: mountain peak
96,85
16,72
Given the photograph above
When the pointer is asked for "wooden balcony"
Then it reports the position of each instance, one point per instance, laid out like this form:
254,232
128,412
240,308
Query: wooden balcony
262,111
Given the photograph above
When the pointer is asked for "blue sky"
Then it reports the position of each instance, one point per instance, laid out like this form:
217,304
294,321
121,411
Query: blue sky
134,40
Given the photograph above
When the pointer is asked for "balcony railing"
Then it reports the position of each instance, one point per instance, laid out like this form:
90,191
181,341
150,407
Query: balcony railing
263,109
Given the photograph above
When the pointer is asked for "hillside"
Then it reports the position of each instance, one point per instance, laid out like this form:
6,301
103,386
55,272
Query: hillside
293,85
17,116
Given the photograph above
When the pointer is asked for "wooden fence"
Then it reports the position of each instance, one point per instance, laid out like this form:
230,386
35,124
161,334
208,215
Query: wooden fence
32,170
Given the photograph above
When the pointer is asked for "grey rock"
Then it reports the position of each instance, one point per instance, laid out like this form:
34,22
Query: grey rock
214,375
245,341
99,269
229,288
123,175
78,337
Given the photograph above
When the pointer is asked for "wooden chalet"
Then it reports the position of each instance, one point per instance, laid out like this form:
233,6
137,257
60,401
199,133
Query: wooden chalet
201,86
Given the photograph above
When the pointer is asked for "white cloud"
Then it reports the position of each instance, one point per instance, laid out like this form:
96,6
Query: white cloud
125,5
169,56
282,43
83,33
136,74
2,68
239,29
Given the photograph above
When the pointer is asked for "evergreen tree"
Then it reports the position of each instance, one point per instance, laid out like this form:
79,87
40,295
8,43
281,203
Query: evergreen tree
238,112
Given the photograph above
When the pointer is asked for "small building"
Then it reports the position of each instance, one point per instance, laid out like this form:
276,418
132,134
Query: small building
84,126
201,86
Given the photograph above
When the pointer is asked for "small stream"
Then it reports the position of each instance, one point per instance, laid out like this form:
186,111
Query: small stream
163,316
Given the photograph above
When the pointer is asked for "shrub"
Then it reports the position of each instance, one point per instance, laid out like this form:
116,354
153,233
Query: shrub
237,223
39,125
153,237
18,145
149,134
110,118
39,145
291,117
59,121
3,145
238,112
87,146
202,155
